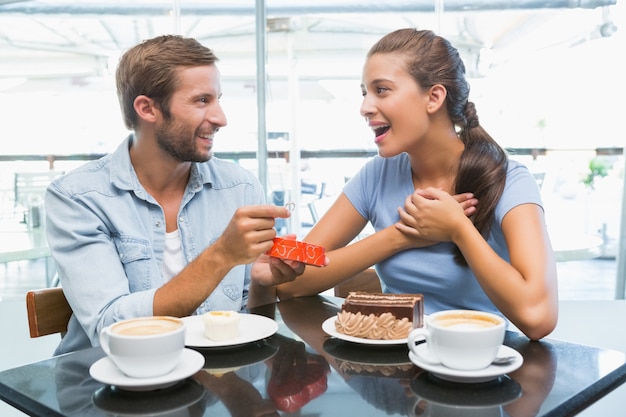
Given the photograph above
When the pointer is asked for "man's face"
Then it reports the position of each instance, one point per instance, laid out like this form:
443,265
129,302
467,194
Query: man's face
186,134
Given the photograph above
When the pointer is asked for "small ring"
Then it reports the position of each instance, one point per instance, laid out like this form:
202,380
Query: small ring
291,206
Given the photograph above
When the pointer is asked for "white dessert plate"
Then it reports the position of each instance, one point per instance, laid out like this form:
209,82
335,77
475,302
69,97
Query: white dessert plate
482,375
105,371
252,327
329,327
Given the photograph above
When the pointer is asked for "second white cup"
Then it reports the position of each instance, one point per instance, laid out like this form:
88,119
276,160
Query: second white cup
466,340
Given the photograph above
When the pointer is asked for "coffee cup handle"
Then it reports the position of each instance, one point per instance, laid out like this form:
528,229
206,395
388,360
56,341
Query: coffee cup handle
425,355
104,341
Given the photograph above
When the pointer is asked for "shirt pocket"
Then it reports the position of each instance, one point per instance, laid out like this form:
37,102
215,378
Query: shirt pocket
232,292
136,257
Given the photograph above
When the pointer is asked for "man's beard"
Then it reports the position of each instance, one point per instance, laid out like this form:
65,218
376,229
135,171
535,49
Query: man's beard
176,141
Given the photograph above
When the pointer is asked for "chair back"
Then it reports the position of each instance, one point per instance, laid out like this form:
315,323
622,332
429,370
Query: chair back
48,311
366,281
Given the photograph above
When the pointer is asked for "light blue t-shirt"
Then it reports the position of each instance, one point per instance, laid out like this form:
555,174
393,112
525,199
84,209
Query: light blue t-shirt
382,186
107,236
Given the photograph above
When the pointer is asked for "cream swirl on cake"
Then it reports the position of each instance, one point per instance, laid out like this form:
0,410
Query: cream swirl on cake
383,327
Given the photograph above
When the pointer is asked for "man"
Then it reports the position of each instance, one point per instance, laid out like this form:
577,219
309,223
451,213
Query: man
159,227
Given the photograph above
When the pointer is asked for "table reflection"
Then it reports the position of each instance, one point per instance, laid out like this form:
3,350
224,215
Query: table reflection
302,371
187,398
394,393
436,397
536,377
80,395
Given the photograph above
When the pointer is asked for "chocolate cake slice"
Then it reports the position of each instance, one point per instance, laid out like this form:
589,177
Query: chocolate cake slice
380,316
410,306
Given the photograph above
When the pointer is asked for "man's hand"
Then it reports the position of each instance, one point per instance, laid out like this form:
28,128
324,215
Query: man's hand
249,233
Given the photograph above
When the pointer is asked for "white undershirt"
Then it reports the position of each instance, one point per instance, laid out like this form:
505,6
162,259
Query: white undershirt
173,259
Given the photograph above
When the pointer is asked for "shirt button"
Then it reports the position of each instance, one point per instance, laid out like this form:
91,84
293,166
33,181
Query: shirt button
157,224
180,219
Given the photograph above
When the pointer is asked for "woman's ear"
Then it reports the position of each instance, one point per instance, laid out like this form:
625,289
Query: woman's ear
145,109
436,97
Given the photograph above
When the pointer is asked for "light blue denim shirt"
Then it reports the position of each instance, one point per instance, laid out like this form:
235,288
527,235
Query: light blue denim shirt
107,237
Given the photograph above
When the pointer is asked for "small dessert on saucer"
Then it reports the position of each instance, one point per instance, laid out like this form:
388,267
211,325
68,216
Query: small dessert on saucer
380,316
221,325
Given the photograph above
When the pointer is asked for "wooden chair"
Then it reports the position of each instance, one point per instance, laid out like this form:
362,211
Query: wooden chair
367,281
48,311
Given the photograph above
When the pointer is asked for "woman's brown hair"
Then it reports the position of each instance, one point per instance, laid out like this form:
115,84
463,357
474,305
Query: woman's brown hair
432,60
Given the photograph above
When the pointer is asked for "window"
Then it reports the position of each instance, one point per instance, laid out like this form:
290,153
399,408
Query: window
545,81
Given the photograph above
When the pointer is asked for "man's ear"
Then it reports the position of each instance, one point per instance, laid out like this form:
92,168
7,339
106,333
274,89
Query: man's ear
436,97
145,108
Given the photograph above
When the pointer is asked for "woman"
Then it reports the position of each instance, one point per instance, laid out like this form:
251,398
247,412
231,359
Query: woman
439,163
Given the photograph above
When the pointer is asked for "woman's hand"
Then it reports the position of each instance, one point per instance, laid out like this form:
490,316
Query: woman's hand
269,271
433,214
468,203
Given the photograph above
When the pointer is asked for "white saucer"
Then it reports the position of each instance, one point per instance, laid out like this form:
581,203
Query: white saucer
482,375
252,327
329,327
105,371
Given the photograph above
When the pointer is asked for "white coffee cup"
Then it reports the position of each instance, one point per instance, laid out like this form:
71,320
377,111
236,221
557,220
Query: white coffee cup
145,347
466,340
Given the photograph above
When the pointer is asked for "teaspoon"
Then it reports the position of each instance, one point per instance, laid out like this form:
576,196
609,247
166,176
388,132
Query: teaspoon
503,360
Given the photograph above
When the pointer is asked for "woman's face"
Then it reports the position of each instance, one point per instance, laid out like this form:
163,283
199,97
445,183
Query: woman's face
394,105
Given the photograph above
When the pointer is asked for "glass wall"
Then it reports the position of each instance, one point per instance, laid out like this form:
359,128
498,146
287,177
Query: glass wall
545,79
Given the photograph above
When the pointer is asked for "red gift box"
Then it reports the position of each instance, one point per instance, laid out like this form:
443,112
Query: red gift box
298,251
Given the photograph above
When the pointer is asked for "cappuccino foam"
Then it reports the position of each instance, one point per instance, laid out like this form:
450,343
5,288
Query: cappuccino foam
462,321
146,327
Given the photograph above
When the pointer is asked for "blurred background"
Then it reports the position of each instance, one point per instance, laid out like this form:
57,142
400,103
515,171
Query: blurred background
546,77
